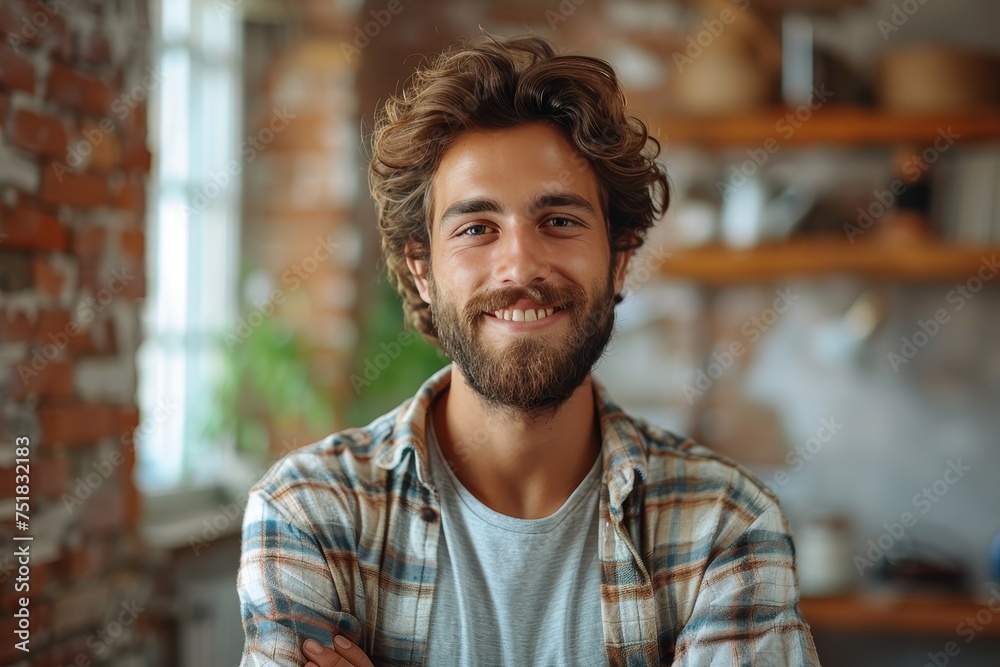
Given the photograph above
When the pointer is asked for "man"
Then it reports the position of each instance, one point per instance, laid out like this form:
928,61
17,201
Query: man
511,513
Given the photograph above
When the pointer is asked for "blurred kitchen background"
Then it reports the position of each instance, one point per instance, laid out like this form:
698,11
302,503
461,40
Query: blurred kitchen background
190,288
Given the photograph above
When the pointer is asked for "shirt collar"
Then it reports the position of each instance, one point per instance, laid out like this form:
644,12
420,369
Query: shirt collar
622,445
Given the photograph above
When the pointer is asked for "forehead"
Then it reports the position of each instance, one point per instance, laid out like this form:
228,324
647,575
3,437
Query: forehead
513,166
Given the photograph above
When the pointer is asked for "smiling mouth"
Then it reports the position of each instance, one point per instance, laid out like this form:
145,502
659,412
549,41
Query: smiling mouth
525,315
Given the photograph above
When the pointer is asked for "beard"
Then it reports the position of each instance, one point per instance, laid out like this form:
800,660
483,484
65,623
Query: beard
535,373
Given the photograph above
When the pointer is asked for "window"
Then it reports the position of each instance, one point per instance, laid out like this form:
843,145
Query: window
193,241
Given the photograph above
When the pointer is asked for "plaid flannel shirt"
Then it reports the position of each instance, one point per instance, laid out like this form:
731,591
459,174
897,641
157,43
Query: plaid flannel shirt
696,557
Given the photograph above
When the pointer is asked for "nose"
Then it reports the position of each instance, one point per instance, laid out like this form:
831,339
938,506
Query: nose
521,257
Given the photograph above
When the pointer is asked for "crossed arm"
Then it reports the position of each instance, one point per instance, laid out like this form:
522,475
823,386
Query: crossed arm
745,610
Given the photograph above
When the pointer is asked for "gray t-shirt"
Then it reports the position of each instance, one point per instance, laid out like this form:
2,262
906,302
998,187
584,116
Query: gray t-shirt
515,591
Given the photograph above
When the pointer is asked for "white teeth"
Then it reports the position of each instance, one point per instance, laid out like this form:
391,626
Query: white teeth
518,315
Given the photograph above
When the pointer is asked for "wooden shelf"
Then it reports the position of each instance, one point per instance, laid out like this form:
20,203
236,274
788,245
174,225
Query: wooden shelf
719,265
843,126
817,6
898,614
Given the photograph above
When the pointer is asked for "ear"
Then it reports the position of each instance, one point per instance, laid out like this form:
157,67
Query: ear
418,269
621,268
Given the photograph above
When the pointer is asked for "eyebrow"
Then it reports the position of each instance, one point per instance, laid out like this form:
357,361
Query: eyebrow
548,200
564,199
466,206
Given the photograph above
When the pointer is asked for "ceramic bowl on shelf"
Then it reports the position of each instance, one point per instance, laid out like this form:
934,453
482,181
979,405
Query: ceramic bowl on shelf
929,78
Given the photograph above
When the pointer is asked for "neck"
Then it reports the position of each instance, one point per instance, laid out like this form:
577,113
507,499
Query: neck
524,466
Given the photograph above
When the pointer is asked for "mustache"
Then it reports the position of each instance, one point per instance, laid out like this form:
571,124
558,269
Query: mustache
543,295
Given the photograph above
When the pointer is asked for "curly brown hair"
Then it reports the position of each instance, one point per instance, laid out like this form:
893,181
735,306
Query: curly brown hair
499,84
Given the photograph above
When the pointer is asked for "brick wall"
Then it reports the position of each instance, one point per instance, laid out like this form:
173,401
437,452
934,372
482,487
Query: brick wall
74,78
298,226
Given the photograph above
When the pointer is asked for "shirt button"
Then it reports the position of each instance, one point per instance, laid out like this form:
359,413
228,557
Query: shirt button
429,514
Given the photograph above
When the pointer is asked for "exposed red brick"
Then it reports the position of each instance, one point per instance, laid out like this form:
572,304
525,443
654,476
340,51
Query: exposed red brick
136,157
131,196
128,422
135,122
132,504
87,560
16,71
75,424
98,145
32,229
55,481
8,483
94,48
10,13
49,277
41,377
96,283
37,25
103,511
15,197
132,244
16,272
41,134
51,326
80,91
62,186
88,242
97,338
88,279
15,327
135,289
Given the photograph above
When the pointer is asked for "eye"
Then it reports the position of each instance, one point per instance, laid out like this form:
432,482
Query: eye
558,221
474,230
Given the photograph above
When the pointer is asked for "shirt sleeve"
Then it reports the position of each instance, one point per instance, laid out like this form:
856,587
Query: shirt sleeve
286,589
747,610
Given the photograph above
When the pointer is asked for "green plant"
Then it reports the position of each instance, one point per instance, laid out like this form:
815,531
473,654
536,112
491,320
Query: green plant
400,379
265,388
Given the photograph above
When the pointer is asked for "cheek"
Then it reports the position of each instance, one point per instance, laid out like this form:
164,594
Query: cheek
464,271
